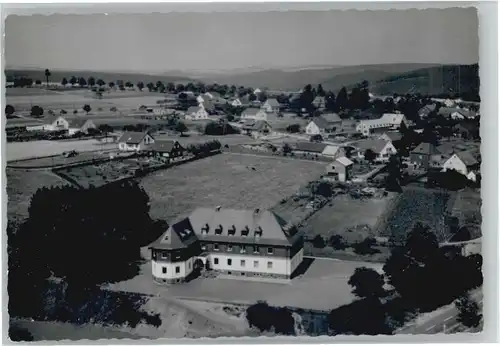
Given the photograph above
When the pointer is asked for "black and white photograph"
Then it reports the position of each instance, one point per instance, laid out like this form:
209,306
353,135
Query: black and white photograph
211,174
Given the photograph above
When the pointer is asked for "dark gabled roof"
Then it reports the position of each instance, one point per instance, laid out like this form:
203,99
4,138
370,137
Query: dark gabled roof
76,122
132,137
467,158
426,149
310,146
331,117
321,122
394,136
273,102
376,145
425,110
255,125
193,109
163,146
178,236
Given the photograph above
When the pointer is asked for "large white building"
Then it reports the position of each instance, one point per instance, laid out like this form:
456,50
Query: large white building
238,242
387,121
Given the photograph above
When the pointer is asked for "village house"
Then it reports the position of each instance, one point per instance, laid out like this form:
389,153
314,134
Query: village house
467,130
339,170
236,103
80,125
423,154
166,148
208,106
271,106
254,113
426,110
309,148
333,151
381,148
135,141
393,136
53,123
256,128
255,243
463,162
257,91
212,95
319,102
196,113
324,124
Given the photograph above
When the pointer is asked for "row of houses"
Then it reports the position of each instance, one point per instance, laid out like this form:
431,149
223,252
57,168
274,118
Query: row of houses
144,142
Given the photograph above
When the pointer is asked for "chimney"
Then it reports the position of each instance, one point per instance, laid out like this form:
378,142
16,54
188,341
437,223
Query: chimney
217,208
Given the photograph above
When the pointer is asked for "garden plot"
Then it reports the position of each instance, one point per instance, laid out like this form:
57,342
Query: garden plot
417,205
226,180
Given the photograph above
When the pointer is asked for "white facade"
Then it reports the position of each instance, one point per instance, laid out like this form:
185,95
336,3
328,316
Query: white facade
256,264
387,121
145,142
236,103
454,163
333,151
384,154
58,124
457,115
172,271
200,114
313,129
260,115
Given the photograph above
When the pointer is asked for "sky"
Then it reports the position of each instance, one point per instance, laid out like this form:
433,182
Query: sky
225,41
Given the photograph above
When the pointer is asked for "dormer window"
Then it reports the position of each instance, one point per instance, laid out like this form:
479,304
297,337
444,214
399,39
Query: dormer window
204,229
232,230
218,230
245,231
229,247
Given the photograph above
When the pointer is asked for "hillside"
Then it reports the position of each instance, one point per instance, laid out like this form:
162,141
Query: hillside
58,75
332,78
463,79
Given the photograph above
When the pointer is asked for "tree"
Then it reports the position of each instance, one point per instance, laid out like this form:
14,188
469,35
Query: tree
286,149
370,155
330,103
101,83
72,80
268,318
293,128
342,99
367,283
159,86
181,127
91,81
9,110
468,311
82,82
318,242
140,85
337,242
106,129
47,75
38,82
365,247
64,82
87,108
150,86
111,84
320,91
394,173
36,111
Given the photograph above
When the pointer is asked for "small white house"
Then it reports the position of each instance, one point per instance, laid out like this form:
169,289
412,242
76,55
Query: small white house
339,170
135,141
51,124
236,103
254,113
319,102
462,162
387,121
381,148
333,151
196,113
271,106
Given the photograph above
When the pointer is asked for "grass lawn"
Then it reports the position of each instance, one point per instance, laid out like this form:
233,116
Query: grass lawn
61,160
21,185
226,180
347,216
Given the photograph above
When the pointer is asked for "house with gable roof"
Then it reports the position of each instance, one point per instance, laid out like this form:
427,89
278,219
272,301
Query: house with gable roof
339,170
423,154
463,162
254,114
235,242
324,124
166,148
383,149
135,141
271,106
196,113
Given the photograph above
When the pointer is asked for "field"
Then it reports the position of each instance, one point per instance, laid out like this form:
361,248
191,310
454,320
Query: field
417,205
347,217
21,185
227,180
25,150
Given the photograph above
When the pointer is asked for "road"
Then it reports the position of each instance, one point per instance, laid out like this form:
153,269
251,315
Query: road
444,321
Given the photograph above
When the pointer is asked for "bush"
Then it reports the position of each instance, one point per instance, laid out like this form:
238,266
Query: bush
365,247
318,242
36,111
267,318
337,242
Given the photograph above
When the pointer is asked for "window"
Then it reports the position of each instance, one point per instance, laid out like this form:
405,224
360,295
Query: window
164,255
243,249
203,247
216,260
242,263
229,248
189,265
229,261
216,247
270,250
177,270
255,249
256,264
269,265
164,270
